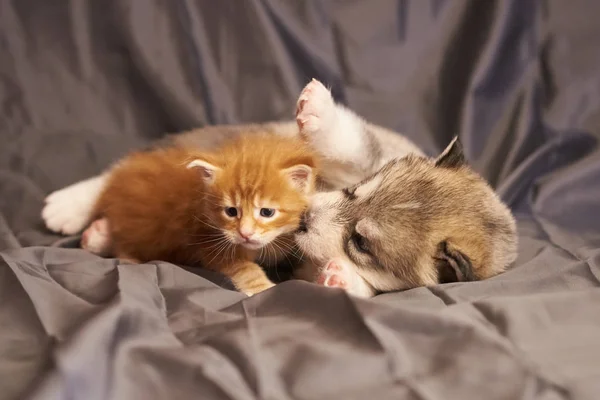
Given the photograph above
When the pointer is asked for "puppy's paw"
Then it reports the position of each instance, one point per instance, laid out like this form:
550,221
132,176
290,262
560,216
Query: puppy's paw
69,210
96,239
315,110
334,274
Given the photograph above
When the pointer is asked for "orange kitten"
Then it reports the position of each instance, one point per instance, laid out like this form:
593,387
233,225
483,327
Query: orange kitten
220,210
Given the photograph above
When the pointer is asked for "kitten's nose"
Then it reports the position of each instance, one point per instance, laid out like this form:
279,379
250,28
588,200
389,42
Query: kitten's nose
245,232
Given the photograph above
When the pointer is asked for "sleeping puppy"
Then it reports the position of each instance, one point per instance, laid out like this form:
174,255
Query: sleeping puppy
388,218
398,219
415,222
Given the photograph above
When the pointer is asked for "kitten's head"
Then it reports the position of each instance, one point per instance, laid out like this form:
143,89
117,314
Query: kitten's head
256,187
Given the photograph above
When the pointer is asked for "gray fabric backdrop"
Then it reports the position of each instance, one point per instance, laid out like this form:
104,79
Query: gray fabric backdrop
83,81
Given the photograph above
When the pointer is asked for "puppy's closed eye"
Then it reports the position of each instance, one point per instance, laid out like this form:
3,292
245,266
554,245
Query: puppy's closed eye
360,243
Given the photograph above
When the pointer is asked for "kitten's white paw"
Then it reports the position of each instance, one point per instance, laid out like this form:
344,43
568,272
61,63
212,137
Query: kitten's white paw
315,109
96,239
68,210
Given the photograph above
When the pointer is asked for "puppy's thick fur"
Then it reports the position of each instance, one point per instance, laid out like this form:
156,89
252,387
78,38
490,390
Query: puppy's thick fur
416,222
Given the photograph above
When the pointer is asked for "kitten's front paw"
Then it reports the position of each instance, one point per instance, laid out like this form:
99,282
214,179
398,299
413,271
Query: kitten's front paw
315,109
255,290
334,275
68,210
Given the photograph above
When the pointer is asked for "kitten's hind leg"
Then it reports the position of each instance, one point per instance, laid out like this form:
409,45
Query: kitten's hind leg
96,238
69,210
248,277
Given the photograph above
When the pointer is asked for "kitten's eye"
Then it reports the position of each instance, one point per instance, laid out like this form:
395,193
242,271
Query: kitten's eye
267,212
360,242
231,211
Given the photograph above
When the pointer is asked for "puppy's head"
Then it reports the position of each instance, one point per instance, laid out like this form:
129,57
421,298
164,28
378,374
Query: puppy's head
416,222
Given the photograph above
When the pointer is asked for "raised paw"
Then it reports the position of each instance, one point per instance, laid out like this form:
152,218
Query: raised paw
334,275
69,210
96,239
315,109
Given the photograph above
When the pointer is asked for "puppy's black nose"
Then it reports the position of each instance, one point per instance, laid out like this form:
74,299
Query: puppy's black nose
302,226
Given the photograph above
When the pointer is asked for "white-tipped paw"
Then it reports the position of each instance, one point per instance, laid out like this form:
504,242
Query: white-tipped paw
315,109
69,210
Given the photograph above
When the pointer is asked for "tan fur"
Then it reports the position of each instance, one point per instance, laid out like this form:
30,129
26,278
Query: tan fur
463,218
158,209
421,223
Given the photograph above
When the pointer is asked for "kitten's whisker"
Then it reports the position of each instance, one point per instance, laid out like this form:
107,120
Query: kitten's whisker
225,245
284,251
291,252
270,251
205,193
213,203
274,259
209,263
218,243
204,234
206,223
291,248
206,241
213,248
233,248
227,252
223,250
302,253
208,218
283,244
286,257
217,202
209,194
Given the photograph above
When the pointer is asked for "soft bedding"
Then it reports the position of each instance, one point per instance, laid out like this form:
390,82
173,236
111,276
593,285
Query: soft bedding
83,82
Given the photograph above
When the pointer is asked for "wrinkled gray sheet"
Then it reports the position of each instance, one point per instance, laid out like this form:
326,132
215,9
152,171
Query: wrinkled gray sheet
82,82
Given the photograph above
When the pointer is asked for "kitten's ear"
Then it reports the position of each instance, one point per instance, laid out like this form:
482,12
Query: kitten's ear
452,156
206,169
299,176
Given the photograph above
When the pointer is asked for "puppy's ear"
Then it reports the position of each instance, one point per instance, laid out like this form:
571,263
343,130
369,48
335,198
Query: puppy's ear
207,170
452,156
453,265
